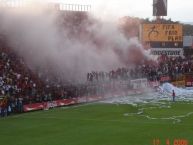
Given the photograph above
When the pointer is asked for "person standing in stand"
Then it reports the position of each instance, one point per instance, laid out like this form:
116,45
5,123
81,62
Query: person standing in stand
173,95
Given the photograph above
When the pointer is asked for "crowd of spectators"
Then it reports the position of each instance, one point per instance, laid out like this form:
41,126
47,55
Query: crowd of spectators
175,66
165,66
19,85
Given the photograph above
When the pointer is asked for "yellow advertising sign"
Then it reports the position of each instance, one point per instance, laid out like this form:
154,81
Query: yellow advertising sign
179,83
162,33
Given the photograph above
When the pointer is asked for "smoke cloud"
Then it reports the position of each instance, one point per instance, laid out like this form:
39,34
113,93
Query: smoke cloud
66,45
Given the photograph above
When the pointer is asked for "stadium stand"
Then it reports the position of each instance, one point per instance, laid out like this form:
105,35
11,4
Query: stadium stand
20,86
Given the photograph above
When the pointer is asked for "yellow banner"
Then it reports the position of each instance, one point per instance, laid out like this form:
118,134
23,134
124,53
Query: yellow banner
179,83
162,33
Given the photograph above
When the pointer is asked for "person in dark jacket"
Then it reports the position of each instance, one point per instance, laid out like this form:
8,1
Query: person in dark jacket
173,95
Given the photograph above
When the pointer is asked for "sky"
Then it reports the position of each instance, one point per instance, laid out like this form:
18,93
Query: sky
178,10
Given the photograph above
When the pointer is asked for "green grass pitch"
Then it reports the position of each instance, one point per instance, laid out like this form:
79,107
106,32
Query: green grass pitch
101,124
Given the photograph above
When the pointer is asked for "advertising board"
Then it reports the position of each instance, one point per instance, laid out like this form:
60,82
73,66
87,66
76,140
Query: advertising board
162,33
167,51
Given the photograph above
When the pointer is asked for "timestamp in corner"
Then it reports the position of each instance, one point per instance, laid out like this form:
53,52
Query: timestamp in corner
157,141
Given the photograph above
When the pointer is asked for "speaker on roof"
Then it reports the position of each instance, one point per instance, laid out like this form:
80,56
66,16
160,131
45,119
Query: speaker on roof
159,7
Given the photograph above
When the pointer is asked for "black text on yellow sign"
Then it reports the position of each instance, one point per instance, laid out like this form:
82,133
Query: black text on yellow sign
162,33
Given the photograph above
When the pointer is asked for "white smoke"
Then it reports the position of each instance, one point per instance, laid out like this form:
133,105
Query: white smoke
54,45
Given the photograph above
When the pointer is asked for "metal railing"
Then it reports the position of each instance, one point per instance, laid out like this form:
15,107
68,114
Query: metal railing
53,5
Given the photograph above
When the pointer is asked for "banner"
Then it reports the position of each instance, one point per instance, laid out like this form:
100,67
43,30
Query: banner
33,107
162,33
167,51
49,104
189,80
179,83
165,79
58,103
